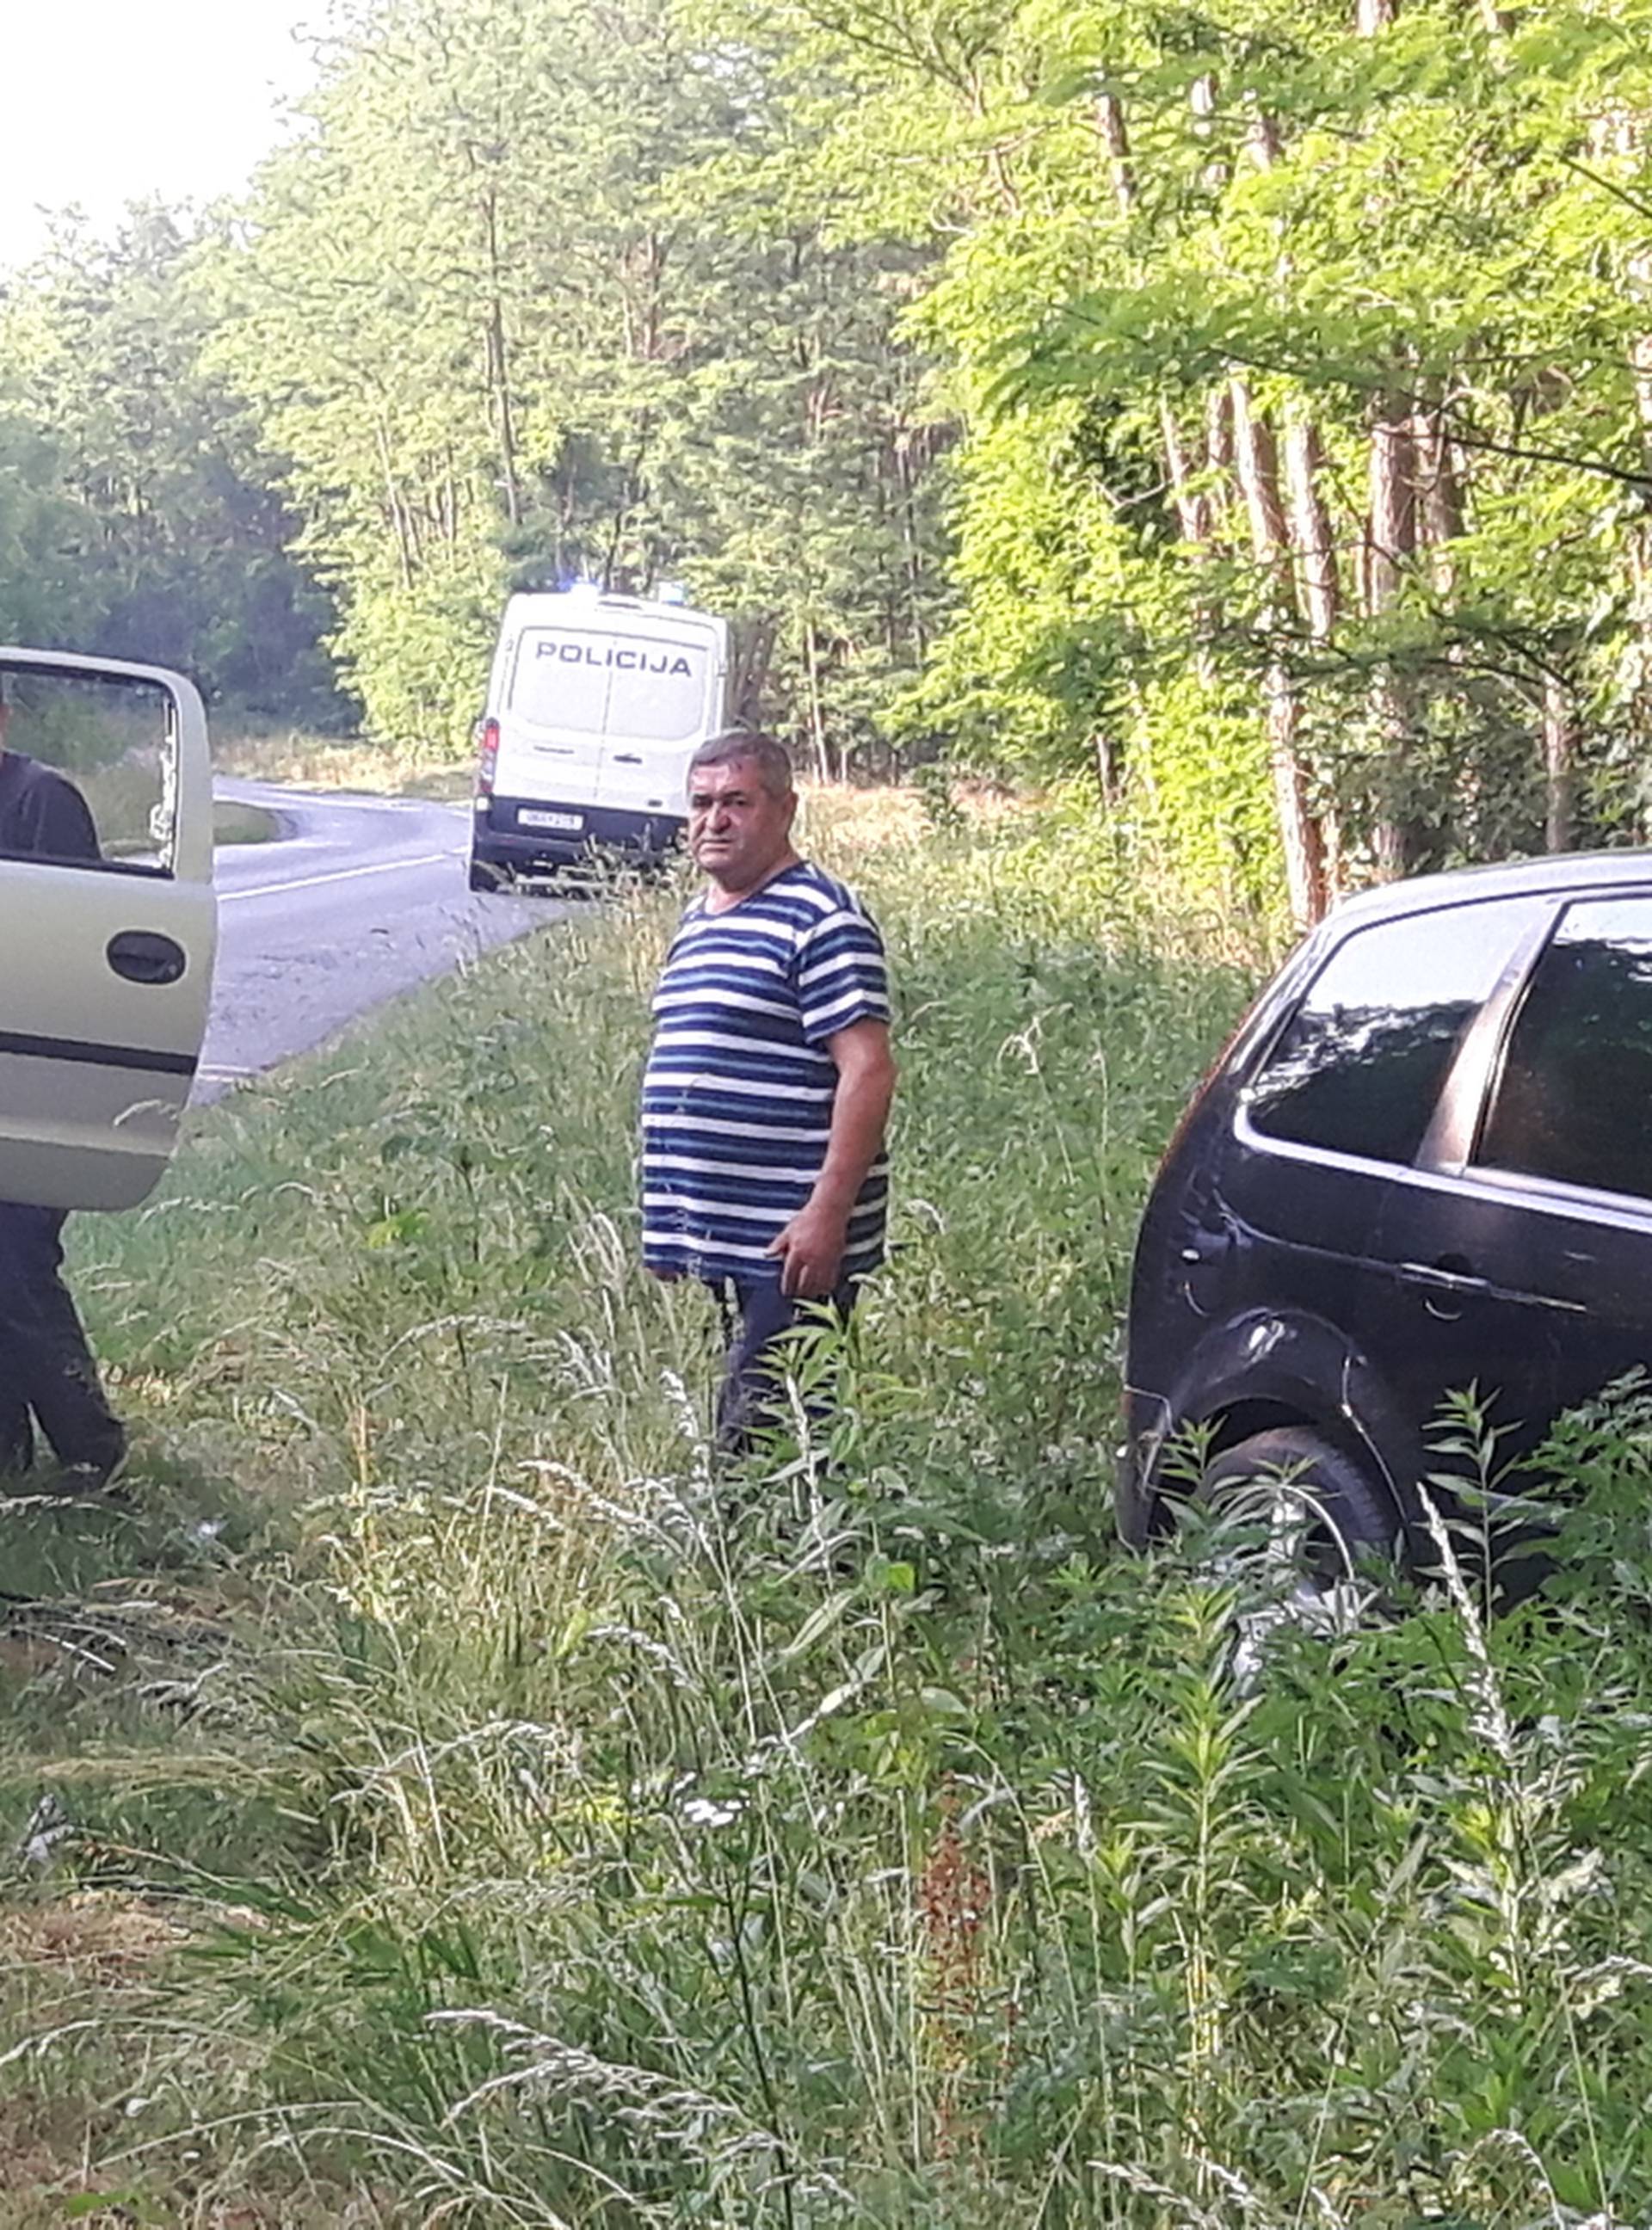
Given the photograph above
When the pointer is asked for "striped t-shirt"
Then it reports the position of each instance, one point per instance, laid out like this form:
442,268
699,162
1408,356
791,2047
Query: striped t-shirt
737,1100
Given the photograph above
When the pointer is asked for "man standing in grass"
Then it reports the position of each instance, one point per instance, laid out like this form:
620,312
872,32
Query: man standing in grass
768,1089
47,1375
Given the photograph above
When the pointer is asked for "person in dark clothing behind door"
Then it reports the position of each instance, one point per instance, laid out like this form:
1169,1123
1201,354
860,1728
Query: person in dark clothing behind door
768,1088
47,1375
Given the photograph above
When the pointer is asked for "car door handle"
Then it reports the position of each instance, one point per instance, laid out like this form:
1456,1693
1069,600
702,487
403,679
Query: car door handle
1208,1245
143,956
627,758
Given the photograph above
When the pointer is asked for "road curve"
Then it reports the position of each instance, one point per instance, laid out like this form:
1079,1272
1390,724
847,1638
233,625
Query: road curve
358,899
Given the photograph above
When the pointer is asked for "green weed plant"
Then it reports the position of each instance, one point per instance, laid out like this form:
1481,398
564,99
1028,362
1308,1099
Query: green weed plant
450,1799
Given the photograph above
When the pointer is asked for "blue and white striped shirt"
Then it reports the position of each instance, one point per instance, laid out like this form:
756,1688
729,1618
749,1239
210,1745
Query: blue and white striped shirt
738,1096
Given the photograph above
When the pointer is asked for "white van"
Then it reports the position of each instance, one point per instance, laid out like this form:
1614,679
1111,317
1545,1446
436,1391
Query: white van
596,705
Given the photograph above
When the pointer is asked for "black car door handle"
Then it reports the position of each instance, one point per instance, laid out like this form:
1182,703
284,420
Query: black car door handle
143,955
1208,1247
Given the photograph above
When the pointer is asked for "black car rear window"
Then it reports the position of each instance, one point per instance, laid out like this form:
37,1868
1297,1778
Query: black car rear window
1572,1100
1359,1067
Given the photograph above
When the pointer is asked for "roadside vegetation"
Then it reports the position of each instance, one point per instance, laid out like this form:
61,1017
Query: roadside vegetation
307,759
1247,418
442,1800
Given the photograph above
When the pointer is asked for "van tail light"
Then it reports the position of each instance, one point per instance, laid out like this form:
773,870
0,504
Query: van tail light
487,756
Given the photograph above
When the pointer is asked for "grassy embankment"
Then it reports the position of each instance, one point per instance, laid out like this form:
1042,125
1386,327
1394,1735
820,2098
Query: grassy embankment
318,761
484,1817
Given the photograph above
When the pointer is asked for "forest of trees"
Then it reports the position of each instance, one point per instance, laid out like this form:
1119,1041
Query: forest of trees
1244,411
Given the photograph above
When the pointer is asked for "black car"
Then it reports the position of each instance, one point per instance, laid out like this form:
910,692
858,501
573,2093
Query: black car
1424,1164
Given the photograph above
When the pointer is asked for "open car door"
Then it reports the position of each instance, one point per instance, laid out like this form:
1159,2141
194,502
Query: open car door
108,923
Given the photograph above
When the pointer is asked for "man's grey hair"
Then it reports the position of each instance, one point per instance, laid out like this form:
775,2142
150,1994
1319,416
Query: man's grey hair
764,753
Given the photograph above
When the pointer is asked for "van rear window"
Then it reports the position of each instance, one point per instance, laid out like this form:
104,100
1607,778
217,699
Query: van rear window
595,682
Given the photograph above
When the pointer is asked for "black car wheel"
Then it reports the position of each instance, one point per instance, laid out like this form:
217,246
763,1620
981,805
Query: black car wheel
1301,1524
486,877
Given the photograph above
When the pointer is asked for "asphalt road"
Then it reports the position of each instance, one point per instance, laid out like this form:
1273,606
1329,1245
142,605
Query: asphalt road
359,898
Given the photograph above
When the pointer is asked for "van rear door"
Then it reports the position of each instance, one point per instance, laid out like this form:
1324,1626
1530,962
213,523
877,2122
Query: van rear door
551,708
665,696
606,710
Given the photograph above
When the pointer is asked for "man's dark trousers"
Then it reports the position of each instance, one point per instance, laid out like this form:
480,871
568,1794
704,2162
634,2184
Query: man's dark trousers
45,1363
756,1318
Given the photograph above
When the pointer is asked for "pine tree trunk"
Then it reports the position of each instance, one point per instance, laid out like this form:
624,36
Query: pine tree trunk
499,381
816,710
1390,538
751,650
1439,494
1397,836
1110,122
1560,765
1192,505
1309,845
406,552
1319,584
1319,580
1306,526
1438,478
1192,509
1257,465
1192,512
912,545
1640,276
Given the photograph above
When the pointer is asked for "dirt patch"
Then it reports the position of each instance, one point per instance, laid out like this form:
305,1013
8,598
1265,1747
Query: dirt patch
49,2158
94,1937
29,2164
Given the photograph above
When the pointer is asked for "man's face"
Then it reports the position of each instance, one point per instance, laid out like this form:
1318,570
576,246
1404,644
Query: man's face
737,831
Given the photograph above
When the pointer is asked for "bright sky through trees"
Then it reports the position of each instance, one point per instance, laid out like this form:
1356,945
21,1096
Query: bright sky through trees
106,102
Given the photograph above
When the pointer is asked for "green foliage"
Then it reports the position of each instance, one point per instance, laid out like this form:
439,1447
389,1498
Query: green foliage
1433,225
146,524
1252,409
927,345
541,1829
545,294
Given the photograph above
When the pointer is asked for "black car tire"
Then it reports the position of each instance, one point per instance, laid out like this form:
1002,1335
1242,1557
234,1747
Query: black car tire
486,878
1350,1514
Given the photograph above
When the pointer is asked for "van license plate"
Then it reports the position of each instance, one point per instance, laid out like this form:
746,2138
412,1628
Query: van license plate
530,817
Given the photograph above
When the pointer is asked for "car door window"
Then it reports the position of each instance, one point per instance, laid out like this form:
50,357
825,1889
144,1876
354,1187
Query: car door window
88,772
1359,1068
1571,1102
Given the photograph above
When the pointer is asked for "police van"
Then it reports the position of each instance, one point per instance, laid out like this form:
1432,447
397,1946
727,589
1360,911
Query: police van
596,705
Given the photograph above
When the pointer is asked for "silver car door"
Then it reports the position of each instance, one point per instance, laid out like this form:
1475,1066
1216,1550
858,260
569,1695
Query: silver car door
106,964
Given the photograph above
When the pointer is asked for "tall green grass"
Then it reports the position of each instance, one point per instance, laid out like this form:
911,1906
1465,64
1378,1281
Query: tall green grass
526,1825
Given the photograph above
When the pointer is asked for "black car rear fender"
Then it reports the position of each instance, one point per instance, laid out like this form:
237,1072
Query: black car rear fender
1272,1367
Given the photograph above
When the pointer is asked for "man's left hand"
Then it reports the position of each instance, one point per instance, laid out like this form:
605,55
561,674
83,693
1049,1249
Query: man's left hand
810,1249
